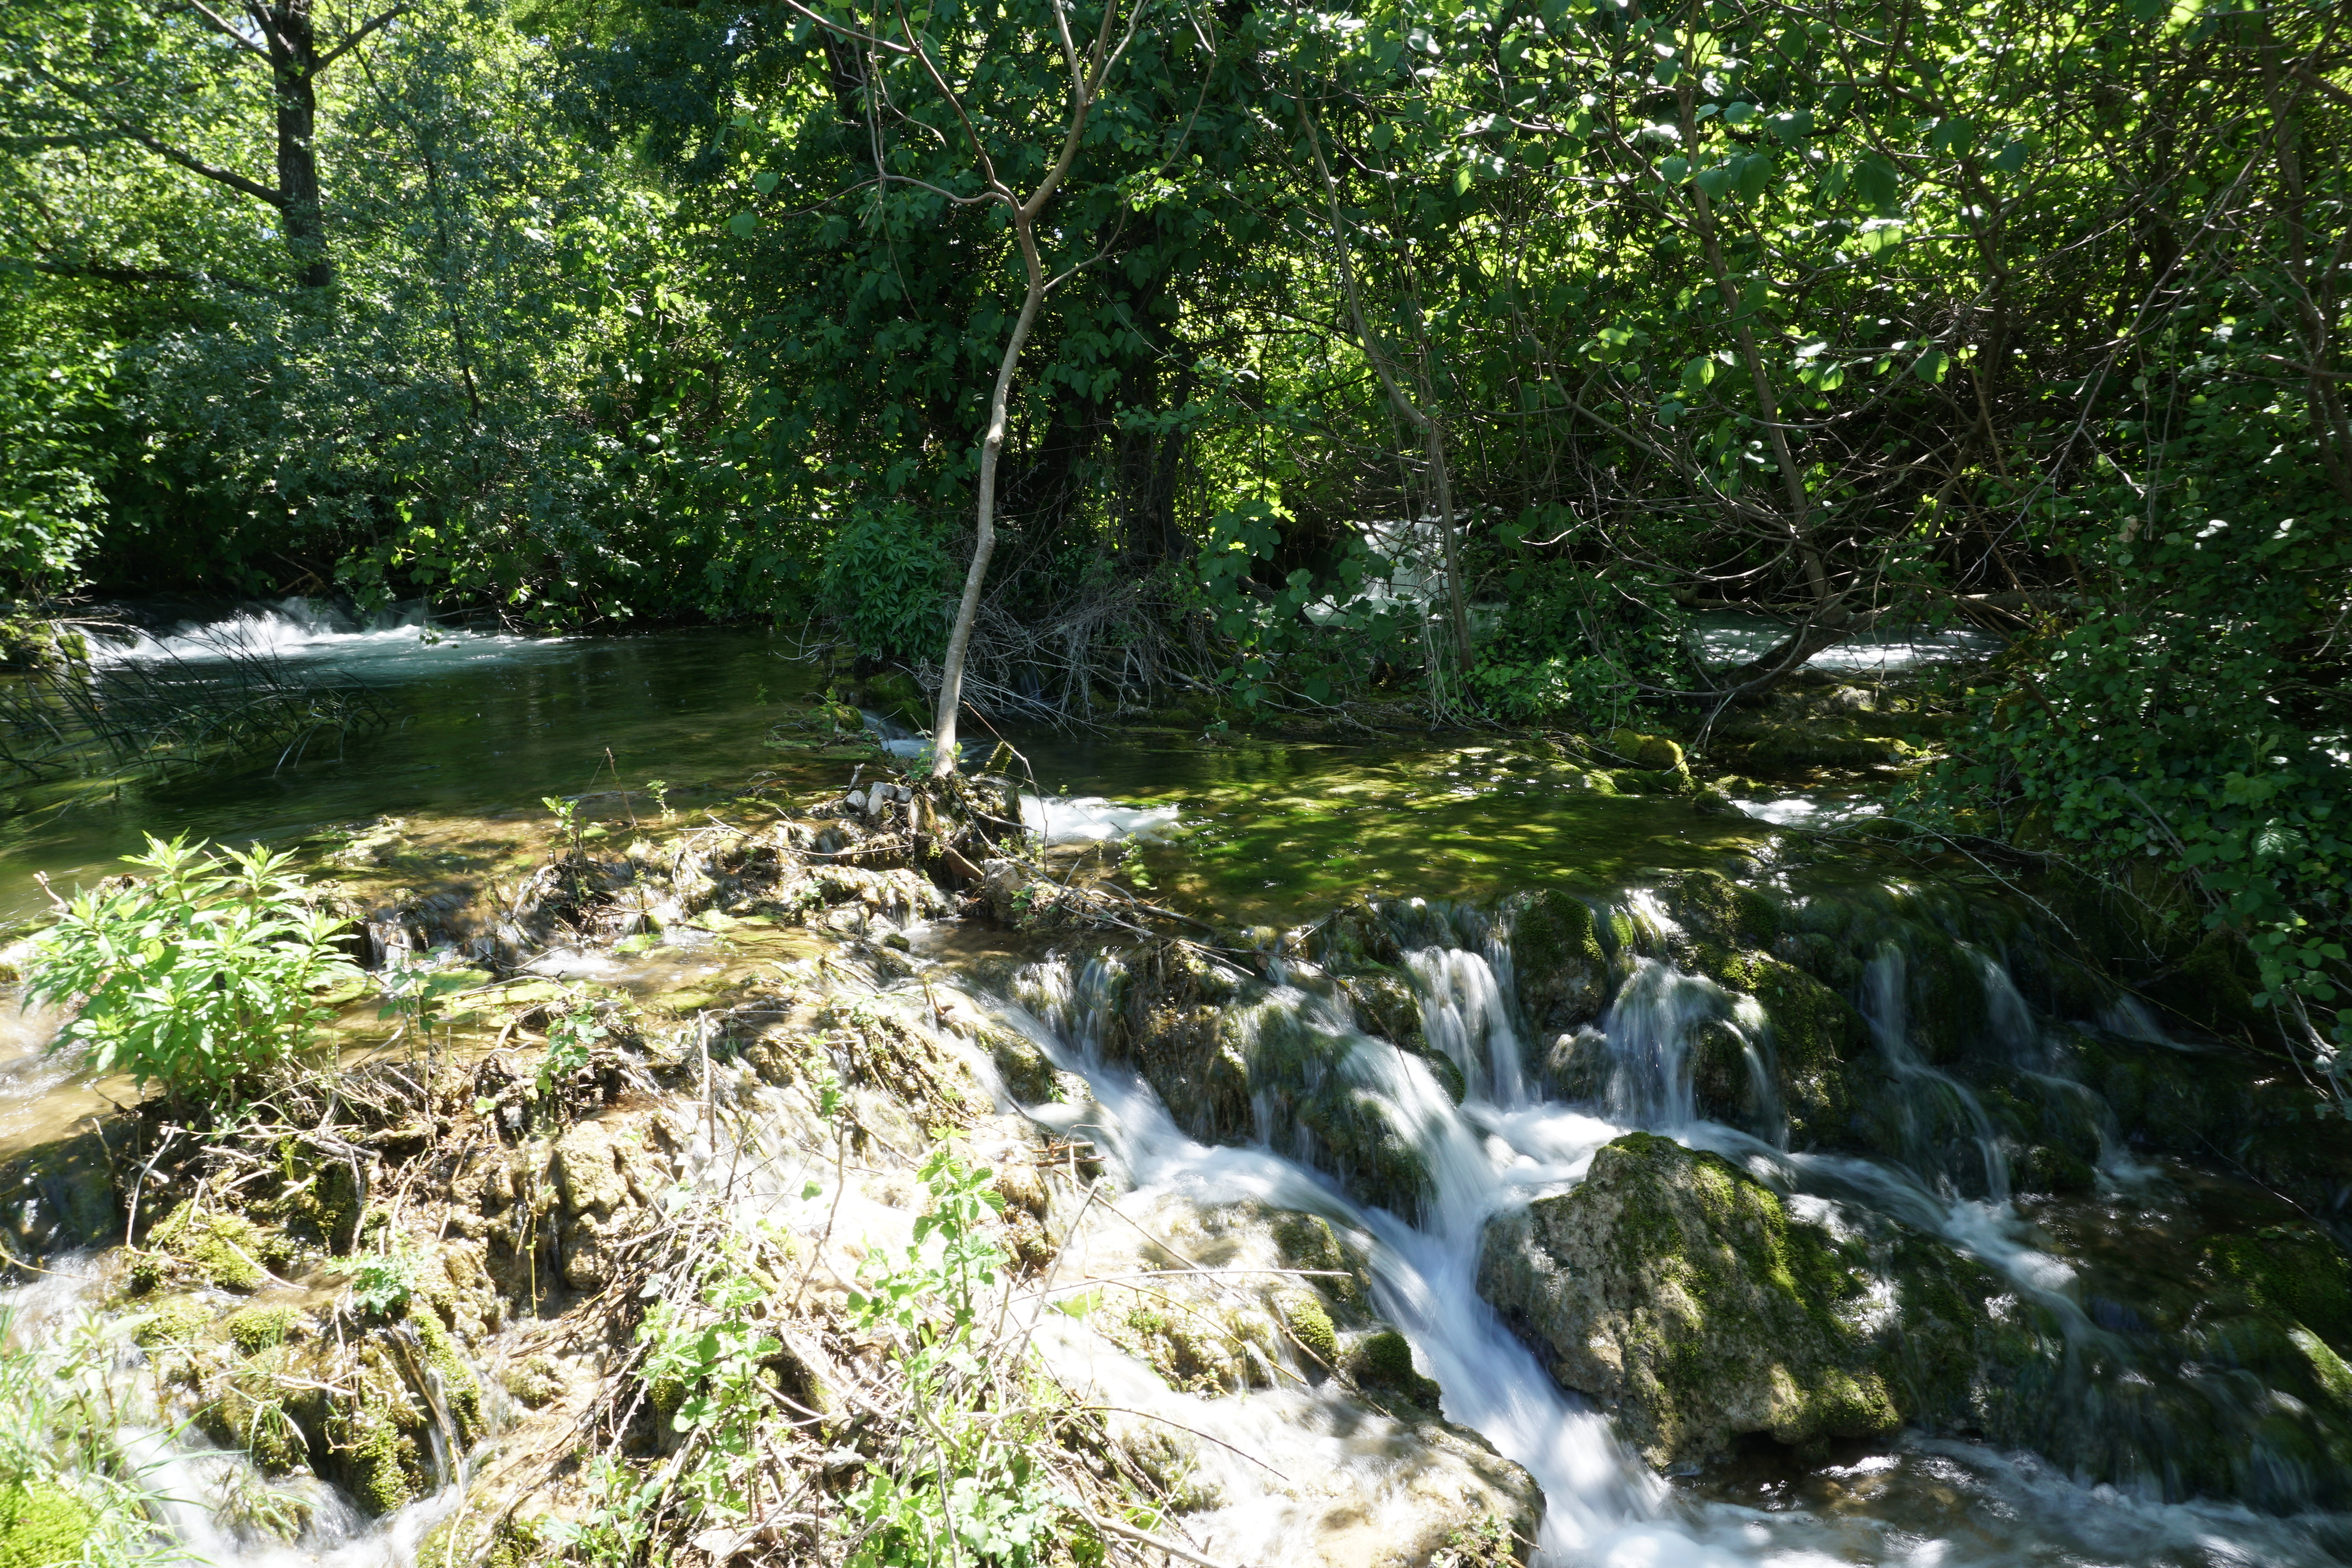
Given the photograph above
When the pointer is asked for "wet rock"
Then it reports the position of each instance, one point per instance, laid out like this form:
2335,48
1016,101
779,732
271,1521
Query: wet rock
60,1195
1556,963
1818,1050
1692,1303
1575,1066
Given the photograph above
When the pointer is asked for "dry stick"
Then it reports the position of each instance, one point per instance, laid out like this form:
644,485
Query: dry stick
1157,1543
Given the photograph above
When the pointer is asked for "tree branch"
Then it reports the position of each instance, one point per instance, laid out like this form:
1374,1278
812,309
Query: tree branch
239,39
188,160
332,56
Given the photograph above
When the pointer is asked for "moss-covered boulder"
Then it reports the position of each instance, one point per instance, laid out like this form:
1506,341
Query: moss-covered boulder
1222,1054
1683,1296
1814,1048
1558,966
1674,1290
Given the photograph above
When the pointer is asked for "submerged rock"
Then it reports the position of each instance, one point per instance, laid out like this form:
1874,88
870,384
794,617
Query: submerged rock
1682,1294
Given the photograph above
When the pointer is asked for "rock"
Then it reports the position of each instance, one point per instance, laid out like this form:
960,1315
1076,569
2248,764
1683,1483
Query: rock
60,1195
587,1171
1557,965
1674,1290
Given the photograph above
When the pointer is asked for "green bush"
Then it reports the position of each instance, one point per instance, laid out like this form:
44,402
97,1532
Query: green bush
204,978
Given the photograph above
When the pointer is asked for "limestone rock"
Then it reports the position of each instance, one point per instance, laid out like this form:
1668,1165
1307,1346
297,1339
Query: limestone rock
588,1172
1677,1292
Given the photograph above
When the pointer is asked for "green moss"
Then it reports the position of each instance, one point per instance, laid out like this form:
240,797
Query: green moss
461,1394
1816,1033
42,1525
1556,963
535,1383
1306,1241
174,1319
222,1249
1382,1364
256,1329
1312,1326
1715,906
2326,1366
1353,1139
2294,1271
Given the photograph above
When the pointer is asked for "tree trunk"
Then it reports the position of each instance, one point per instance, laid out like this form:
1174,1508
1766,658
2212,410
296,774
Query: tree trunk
983,544
293,69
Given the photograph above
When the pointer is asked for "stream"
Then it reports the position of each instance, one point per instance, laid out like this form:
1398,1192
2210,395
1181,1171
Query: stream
1432,842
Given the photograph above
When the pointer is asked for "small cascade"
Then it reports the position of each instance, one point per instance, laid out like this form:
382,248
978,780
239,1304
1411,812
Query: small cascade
1501,1142
1648,1032
1463,1013
1947,1135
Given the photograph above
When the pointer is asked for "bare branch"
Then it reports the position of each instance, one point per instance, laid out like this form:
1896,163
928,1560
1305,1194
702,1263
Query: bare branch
332,56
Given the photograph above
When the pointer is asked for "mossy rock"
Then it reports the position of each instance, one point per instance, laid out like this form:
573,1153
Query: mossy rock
1650,753
259,1328
895,692
2296,1271
1350,1135
174,1319
535,1383
1029,1076
1381,1364
1816,1040
58,1196
1385,1004
1311,1325
1712,907
1307,1242
1557,967
43,1525
1675,1290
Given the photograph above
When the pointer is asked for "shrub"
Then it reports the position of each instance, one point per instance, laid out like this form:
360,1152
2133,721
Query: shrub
203,978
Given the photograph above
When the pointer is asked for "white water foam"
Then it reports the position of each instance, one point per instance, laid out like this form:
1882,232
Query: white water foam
306,630
1092,820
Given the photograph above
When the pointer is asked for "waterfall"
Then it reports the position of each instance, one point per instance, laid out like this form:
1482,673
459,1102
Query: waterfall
1505,1145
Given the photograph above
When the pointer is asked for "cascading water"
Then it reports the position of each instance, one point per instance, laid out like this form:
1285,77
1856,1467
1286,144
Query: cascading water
1505,1145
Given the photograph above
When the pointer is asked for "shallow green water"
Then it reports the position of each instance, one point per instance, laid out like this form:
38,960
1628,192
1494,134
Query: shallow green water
487,727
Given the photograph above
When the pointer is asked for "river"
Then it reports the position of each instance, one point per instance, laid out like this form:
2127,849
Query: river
1265,833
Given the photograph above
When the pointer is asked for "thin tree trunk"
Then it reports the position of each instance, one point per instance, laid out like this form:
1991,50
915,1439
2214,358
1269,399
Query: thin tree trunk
1433,432
983,545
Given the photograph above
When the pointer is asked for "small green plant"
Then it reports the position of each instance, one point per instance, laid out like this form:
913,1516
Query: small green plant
567,817
571,1036
659,789
975,1491
203,978
382,1282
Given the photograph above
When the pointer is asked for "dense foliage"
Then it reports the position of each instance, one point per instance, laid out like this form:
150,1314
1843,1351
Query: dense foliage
1457,350
202,977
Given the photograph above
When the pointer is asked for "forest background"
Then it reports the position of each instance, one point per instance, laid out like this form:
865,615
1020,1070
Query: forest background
1451,355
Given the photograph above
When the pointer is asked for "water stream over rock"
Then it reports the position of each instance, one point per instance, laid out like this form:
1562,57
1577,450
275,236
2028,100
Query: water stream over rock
1753,1218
